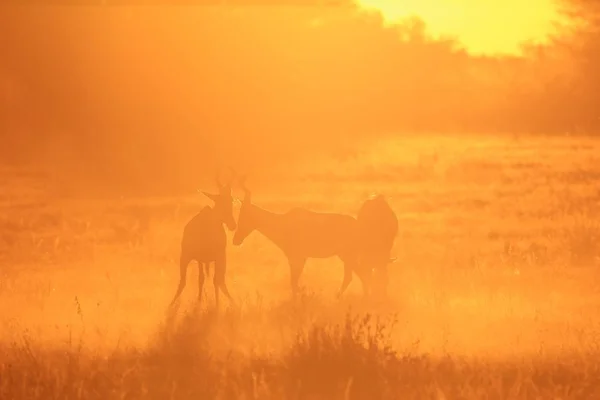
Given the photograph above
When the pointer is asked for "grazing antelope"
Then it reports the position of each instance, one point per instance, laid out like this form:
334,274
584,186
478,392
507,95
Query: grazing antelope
205,241
377,228
303,234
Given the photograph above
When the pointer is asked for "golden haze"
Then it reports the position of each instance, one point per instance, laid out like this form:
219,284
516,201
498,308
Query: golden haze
112,118
495,283
148,81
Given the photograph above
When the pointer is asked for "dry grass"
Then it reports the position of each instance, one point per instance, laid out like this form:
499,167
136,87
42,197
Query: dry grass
496,294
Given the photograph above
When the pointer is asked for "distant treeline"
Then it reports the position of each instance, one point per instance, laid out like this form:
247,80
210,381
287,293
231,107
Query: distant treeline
153,97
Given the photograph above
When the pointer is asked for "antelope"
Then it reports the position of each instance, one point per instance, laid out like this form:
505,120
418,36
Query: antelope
378,228
303,234
204,240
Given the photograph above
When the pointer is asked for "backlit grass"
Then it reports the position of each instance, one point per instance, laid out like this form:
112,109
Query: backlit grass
495,295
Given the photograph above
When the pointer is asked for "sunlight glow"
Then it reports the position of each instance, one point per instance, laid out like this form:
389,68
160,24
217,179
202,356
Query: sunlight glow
483,27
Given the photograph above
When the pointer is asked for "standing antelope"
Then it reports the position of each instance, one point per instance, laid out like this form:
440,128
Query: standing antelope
303,234
378,228
205,241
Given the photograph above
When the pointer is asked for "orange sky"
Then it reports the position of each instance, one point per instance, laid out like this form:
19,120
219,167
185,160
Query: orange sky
483,26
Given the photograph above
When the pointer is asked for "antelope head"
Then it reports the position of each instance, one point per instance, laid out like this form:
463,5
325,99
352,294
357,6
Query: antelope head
246,221
224,200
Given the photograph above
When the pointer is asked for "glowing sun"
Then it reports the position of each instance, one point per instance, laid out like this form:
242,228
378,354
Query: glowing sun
483,27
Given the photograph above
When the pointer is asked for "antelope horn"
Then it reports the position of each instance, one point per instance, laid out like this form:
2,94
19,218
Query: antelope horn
220,183
218,178
233,175
242,182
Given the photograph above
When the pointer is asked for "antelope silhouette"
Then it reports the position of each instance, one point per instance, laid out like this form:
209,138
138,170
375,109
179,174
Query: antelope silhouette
204,240
303,234
377,229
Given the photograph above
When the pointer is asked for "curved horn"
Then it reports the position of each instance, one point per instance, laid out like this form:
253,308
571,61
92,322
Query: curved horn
218,178
233,175
220,183
247,193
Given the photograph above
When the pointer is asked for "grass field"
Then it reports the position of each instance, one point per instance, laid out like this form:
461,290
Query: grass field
496,294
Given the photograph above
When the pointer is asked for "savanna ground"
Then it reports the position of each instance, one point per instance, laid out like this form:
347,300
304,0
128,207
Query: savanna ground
496,293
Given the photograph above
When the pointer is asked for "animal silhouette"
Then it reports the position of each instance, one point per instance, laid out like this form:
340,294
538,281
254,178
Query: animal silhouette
377,228
204,240
303,234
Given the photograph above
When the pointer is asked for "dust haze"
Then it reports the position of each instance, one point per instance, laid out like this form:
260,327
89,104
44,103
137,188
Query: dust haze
114,119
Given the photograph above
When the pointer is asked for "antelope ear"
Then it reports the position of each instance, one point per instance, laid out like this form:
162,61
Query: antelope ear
213,197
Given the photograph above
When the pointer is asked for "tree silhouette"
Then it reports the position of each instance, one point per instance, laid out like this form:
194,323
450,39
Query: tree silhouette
153,96
580,39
